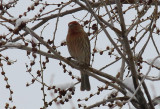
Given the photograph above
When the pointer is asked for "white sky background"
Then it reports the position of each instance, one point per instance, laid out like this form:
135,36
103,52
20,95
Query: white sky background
31,97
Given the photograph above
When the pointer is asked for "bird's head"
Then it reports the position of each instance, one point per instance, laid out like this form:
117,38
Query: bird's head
74,26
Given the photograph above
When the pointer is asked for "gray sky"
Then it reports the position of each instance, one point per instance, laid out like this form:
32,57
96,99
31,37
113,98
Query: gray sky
31,97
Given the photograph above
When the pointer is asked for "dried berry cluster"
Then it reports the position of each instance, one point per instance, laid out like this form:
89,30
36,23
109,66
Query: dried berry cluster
63,95
9,107
99,91
101,52
69,72
112,95
6,60
7,6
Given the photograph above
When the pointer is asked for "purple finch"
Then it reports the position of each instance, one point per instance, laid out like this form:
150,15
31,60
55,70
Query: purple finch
79,48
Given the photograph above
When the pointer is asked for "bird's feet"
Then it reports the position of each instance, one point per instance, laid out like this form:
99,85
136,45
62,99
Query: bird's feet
69,58
83,65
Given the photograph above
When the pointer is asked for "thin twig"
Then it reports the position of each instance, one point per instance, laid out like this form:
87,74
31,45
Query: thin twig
143,78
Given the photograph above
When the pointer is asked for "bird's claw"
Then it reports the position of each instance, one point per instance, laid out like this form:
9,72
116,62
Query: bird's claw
69,58
83,65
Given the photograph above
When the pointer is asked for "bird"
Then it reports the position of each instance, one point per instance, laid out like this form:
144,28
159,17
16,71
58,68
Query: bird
79,48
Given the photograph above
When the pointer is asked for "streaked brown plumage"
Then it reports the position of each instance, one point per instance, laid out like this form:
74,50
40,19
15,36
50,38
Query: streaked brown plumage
79,48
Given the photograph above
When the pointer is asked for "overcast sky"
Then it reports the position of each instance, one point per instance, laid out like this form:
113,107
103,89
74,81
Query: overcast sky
31,97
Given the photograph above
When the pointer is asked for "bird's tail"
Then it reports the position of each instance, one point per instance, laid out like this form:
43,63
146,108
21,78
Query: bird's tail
85,85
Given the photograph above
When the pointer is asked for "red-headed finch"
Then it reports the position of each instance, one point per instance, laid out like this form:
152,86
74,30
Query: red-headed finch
79,48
